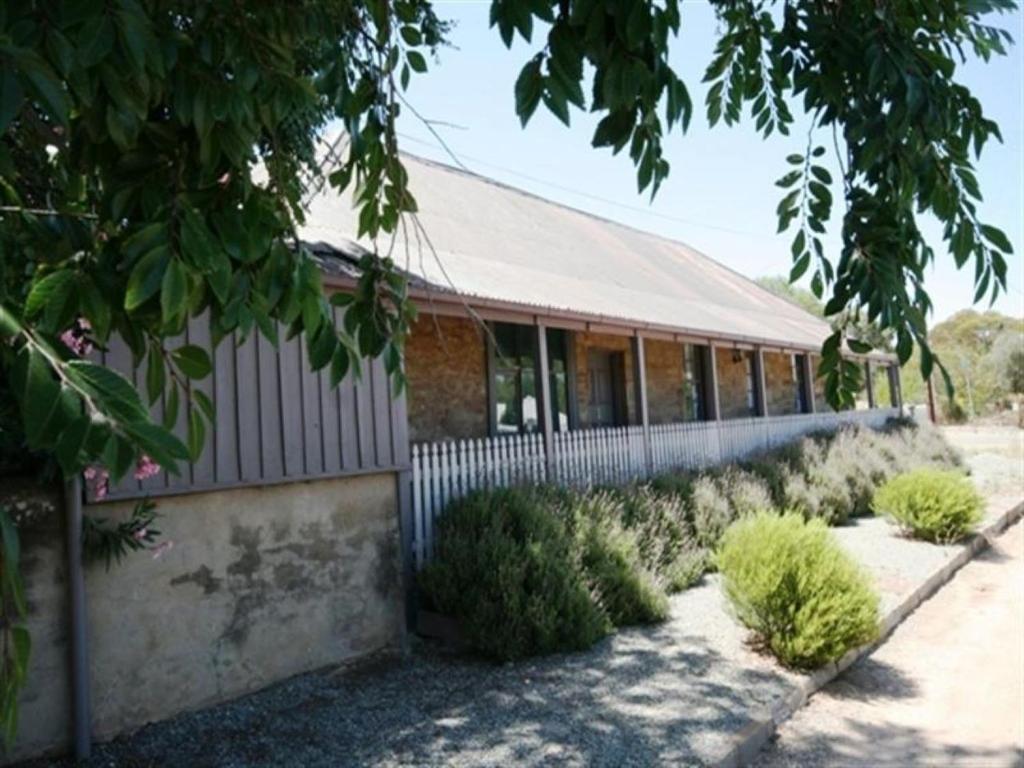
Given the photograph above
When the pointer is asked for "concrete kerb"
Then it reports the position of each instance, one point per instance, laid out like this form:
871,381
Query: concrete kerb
746,744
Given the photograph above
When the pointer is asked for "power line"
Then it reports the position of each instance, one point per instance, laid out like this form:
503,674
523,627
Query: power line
581,193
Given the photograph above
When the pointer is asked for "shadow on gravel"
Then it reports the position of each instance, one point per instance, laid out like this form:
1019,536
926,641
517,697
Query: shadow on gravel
861,745
652,697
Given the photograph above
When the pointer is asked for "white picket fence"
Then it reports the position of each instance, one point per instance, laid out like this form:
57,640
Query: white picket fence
443,472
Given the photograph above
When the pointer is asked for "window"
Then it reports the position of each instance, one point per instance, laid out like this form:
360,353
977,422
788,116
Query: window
693,383
514,379
748,370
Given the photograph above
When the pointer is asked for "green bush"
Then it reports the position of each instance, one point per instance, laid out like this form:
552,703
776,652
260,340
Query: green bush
505,566
931,504
664,534
791,584
624,588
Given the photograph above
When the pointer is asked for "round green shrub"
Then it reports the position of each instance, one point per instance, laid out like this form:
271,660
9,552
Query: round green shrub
506,567
931,504
789,582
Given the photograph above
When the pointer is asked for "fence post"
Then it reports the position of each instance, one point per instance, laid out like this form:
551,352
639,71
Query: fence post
640,383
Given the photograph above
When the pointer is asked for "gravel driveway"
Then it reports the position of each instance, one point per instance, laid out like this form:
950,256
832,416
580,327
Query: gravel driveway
668,694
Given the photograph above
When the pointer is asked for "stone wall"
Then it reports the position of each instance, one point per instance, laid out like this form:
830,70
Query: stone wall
733,383
446,363
261,584
781,389
583,341
664,381
820,403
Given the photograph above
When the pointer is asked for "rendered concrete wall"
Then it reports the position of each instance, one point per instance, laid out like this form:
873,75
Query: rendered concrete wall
261,584
733,383
446,363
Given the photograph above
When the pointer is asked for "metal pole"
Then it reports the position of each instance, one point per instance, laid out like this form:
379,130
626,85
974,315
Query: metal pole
80,714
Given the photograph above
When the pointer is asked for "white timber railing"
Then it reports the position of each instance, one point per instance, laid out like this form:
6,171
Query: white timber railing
445,471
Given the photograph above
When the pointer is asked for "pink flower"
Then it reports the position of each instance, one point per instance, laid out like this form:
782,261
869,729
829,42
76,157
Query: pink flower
162,548
75,338
140,534
97,480
146,467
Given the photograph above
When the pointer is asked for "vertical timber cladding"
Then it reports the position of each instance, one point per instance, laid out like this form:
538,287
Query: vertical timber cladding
276,420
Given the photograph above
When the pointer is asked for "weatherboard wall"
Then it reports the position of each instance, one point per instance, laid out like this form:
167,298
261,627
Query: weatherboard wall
275,419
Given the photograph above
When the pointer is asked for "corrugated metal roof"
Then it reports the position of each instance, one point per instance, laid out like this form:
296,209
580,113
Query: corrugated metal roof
498,243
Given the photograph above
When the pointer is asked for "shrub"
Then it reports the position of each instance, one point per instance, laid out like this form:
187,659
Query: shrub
791,584
931,504
746,492
625,589
506,568
664,534
710,510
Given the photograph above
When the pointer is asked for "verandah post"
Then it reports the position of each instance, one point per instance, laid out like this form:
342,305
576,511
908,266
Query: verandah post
711,373
640,386
760,391
870,385
895,396
544,404
809,375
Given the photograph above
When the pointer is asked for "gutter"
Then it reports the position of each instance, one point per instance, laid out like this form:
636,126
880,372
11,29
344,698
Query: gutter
442,302
79,650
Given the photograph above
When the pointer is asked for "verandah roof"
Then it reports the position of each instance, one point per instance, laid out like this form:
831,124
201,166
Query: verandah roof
492,242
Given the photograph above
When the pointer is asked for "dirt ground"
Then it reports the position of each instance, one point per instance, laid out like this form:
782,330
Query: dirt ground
994,453
947,689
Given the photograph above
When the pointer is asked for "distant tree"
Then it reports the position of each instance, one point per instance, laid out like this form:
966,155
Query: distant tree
984,352
856,328
794,294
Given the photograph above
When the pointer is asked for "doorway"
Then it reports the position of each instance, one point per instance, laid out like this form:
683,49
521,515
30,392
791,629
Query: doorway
606,404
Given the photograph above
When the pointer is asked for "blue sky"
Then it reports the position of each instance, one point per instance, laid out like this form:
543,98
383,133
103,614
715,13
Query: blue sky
721,195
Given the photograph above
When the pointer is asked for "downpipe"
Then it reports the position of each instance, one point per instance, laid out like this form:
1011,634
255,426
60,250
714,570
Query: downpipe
80,715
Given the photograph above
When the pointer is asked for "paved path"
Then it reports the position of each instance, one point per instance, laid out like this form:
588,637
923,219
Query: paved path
947,689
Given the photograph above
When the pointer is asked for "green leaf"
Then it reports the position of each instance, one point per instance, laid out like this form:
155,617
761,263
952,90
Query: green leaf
113,393
192,361
71,443
39,395
159,444
51,293
173,292
196,434
205,404
156,376
171,408
11,98
146,277
528,88
996,236
416,61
